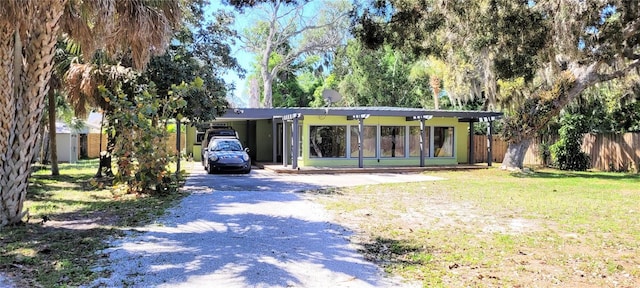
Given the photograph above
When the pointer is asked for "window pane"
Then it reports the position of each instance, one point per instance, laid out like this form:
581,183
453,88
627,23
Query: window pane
369,144
443,141
327,141
392,141
414,141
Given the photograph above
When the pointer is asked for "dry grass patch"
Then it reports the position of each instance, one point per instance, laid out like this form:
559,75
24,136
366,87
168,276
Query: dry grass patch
490,228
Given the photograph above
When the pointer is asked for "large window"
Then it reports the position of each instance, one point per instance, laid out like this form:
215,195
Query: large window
328,141
368,144
414,141
392,141
443,142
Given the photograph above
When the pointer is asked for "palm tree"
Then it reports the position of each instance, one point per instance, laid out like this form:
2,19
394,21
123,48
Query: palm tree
62,60
29,30
436,71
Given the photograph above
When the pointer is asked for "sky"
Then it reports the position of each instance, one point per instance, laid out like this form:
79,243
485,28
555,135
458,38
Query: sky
245,59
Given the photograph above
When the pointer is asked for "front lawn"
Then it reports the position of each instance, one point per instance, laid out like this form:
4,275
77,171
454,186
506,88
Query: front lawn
70,219
488,228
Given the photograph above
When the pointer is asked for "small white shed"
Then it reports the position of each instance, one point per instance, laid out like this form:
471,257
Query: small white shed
66,143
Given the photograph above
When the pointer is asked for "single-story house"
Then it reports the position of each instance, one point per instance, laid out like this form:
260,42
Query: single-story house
350,136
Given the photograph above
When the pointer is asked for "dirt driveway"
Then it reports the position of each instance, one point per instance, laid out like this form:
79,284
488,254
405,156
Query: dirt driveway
249,231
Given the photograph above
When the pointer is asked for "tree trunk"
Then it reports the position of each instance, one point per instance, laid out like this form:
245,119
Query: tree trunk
41,147
536,111
267,81
53,146
514,157
24,88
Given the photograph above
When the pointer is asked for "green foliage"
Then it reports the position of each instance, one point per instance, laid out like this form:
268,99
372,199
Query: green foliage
379,77
330,82
545,153
287,91
610,107
534,43
566,153
201,52
140,152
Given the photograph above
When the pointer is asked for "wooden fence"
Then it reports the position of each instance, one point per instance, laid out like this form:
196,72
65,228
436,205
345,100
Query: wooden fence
608,151
93,143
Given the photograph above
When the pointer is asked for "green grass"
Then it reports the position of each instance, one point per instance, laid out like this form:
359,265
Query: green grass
70,219
487,228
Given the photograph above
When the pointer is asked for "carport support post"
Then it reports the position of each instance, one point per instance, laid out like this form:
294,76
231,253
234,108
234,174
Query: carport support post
274,140
423,139
294,142
360,140
489,142
423,134
360,118
285,144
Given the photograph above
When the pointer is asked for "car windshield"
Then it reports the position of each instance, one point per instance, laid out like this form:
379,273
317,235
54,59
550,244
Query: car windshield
226,145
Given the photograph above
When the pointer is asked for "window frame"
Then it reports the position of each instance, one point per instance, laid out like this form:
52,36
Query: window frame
376,150
453,142
311,156
427,152
403,130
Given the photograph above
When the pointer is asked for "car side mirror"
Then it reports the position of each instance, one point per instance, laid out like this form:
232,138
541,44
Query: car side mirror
246,150
205,149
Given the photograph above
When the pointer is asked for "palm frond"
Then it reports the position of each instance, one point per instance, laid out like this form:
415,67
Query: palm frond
81,88
140,27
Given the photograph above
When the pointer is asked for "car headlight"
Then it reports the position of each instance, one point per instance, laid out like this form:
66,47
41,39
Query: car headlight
213,157
245,157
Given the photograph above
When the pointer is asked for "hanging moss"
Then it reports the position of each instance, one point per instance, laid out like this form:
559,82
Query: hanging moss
538,110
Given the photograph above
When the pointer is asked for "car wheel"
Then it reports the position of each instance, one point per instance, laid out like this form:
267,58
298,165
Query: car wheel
210,169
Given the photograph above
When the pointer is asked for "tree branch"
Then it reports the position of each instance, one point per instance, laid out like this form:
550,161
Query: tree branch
619,73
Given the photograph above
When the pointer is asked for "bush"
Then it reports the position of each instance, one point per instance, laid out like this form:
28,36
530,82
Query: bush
566,153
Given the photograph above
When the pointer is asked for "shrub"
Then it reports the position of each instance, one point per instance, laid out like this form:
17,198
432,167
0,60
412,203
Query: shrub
566,153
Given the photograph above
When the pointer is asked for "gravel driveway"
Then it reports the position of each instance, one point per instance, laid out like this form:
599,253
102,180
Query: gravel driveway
248,231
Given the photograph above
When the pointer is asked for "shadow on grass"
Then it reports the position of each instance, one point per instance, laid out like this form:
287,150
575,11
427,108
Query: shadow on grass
42,186
57,246
59,249
558,174
40,256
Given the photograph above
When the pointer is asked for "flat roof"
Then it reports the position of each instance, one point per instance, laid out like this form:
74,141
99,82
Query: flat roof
270,113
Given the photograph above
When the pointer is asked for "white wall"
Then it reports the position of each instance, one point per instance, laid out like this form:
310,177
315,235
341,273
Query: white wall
67,147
